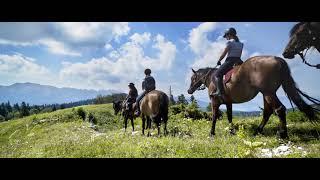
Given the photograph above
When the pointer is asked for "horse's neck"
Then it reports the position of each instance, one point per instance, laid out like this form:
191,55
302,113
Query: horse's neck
208,78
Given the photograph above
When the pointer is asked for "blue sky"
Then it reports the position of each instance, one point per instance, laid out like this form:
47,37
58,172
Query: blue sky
110,55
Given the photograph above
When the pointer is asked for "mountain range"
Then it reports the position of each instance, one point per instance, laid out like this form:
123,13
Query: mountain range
36,94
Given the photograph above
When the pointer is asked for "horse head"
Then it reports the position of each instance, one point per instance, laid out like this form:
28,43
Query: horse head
198,78
116,106
302,36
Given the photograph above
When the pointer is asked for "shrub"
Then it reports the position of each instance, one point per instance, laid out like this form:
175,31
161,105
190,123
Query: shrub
2,118
176,109
192,111
296,116
82,113
92,119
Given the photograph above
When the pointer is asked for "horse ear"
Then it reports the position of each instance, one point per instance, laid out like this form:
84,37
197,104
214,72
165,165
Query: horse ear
193,70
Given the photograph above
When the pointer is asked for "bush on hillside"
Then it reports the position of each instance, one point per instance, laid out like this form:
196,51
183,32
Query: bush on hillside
82,113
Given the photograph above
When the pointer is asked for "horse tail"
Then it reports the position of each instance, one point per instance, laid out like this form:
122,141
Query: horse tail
163,106
294,94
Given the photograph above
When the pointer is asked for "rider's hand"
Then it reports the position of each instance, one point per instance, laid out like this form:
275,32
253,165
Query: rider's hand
218,63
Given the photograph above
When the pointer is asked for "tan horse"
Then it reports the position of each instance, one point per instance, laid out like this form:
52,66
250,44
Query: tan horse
263,74
154,106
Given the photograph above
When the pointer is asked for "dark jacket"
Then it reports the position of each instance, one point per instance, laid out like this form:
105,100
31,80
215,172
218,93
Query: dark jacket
148,83
132,96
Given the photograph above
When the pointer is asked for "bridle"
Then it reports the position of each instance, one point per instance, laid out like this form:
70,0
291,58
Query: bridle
302,56
202,86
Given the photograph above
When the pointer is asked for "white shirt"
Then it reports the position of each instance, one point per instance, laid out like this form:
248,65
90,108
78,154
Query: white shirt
235,48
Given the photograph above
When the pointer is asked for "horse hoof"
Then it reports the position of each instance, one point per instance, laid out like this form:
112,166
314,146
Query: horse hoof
232,132
283,135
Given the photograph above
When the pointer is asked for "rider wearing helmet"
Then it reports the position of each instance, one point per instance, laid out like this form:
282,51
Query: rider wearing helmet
234,50
148,84
132,95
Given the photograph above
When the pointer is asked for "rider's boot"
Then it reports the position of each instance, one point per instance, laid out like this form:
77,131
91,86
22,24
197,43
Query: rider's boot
219,85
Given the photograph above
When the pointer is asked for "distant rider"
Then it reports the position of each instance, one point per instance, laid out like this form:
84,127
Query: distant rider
132,96
148,84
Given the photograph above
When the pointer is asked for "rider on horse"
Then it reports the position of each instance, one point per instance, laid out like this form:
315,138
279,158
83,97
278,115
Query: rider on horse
234,50
131,98
148,84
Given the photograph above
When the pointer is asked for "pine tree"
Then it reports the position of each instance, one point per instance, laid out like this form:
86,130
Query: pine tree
54,108
62,106
16,107
171,99
8,107
24,110
182,100
194,102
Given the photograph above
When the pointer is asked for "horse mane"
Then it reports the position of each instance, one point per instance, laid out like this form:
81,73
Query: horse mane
295,28
205,70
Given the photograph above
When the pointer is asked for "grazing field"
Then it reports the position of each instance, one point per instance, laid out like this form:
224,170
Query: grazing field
68,133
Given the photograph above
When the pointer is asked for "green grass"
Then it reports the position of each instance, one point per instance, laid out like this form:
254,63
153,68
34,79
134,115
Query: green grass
64,133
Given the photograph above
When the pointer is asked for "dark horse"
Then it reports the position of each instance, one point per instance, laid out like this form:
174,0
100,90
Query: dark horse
154,107
303,36
118,106
263,74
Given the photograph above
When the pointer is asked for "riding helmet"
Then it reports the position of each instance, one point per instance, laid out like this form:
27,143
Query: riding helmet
147,71
231,31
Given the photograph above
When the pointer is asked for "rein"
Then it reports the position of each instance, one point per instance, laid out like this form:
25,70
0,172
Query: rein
304,55
304,60
204,76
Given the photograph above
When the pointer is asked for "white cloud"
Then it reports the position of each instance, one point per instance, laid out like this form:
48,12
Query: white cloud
140,38
121,66
93,31
108,46
248,24
14,43
21,68
57,47
62,37
198,40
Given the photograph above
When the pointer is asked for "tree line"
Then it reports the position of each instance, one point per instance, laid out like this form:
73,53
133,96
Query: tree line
15,111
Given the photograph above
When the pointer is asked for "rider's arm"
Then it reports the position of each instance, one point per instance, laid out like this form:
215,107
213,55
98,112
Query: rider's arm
224,53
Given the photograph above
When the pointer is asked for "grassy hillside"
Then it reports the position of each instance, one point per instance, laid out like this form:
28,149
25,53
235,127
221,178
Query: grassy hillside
64,133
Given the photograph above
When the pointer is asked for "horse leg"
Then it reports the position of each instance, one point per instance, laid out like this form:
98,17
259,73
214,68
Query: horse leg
158,120
132,124
143,123
280,110
165,126
148,126
215,111
125,123
229,114
267,112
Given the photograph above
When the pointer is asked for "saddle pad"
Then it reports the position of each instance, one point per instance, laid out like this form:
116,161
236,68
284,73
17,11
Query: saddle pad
228,76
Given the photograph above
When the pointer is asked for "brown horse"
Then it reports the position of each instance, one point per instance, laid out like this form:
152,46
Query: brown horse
154,107
263,74
303,36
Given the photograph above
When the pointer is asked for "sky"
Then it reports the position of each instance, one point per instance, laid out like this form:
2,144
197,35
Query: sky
109,55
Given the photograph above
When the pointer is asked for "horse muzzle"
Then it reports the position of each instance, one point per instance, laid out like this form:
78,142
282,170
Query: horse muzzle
190,91
288,55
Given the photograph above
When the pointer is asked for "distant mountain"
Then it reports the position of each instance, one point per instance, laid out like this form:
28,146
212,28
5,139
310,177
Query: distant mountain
36,94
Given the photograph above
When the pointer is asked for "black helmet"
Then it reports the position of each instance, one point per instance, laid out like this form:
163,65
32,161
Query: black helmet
231,31
131,84
147,71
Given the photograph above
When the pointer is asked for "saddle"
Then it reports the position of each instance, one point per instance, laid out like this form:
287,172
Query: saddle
228,75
